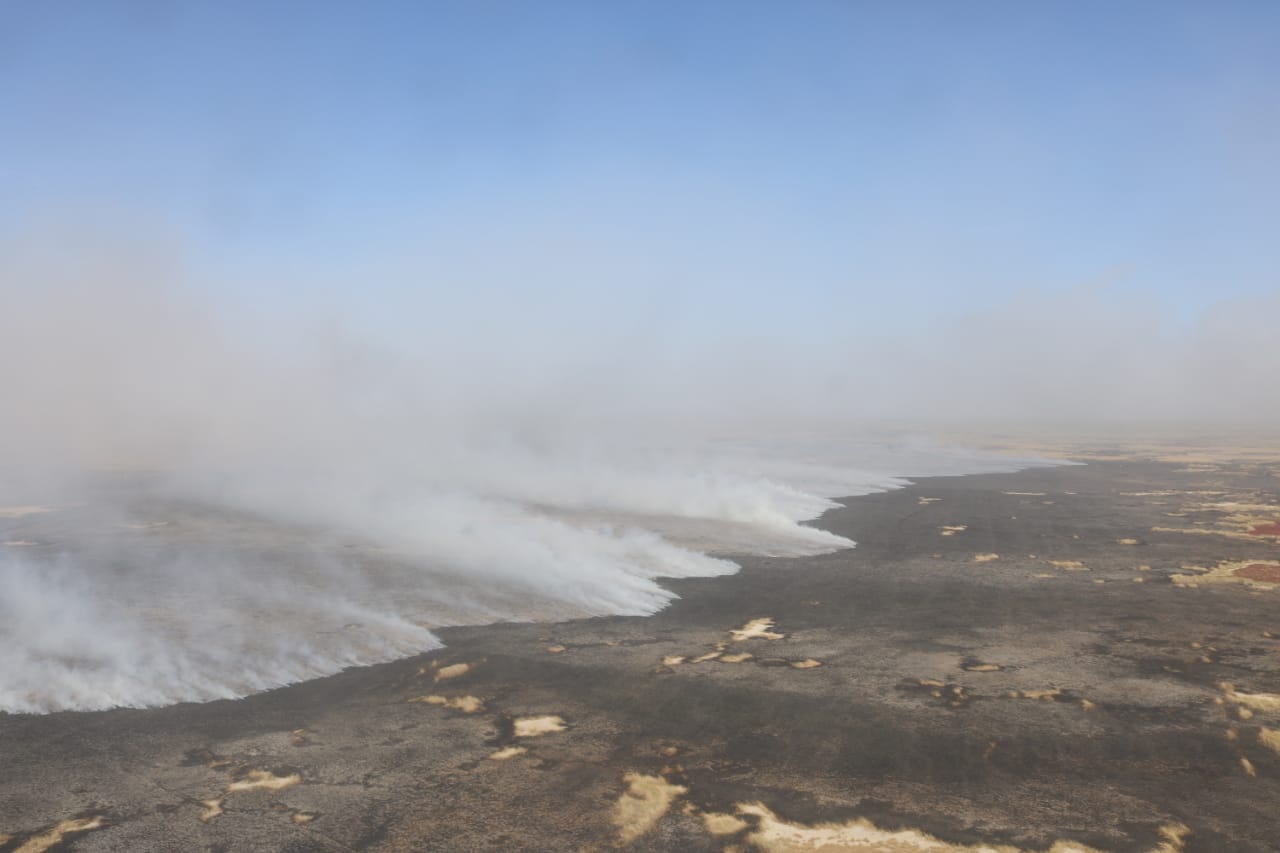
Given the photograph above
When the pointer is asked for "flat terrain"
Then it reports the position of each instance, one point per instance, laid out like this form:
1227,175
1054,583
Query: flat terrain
1066,659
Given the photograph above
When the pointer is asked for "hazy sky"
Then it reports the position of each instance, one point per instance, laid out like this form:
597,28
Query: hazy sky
785,175
866,155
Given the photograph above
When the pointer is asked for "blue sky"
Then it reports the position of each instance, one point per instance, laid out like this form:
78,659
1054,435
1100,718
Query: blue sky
795,165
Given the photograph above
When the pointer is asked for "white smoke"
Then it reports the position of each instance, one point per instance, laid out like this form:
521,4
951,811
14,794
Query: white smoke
231,510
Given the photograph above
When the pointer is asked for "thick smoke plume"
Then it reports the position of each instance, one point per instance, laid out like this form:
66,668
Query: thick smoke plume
203,497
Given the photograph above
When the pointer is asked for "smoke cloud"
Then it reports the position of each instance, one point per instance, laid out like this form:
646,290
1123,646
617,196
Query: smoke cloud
203,498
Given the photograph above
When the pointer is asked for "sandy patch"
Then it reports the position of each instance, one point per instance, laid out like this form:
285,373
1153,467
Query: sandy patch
718,823
1161,447
926,501
538,726
673,660
212,809
303,817
1249,769
1265,702
1213,531
1069,565
981,667
1258,574
807,663
1235,507
1128,542
556,649
946,694
507,753
740,657
1236,520
1027,494
452,671
952,529
1270,738
643,804
774,835
985,558
263,780
465,704
56,834
1051,695
756,629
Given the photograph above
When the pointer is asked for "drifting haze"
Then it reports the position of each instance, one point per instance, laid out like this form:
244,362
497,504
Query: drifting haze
235,505
194,510
420,314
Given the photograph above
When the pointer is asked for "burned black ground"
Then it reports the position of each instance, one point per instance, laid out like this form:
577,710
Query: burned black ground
1064,689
